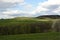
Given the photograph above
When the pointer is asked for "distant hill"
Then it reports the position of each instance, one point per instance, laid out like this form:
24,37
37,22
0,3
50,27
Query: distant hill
49,16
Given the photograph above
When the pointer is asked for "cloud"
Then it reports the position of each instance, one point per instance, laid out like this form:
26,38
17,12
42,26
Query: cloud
57,10
5,4
12,1
5,17
15,13
26,6
48,8
10,12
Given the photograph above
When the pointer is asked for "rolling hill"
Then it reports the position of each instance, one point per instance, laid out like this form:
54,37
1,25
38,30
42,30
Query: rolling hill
49,16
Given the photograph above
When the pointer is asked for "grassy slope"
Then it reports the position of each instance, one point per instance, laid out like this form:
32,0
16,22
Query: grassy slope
21,20
36,36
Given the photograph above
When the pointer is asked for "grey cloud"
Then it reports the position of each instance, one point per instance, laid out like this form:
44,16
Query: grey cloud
17,14
52,7
46,13
50,10
4,5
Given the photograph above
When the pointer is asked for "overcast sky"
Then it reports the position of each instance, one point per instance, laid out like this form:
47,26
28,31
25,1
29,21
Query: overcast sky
28,8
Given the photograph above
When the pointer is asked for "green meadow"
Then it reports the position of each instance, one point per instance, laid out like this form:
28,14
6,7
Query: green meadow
35,36
27,29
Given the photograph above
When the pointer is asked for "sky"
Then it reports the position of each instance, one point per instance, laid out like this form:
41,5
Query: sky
28,8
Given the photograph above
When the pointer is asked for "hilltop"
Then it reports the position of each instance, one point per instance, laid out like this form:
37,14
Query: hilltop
49,16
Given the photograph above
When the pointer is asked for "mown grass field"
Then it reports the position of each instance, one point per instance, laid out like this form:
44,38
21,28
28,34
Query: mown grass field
35,36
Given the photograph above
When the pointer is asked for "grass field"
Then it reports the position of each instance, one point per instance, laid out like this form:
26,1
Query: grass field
26,23
36,36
